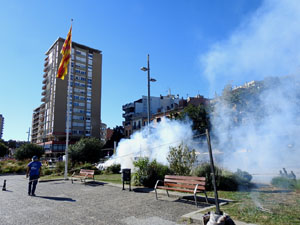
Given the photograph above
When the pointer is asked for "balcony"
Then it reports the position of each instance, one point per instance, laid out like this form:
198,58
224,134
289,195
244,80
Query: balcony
45,81
128,114
43,99
44,87
44,93
45,75
128,106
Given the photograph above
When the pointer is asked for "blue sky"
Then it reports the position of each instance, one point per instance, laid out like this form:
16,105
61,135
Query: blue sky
192,46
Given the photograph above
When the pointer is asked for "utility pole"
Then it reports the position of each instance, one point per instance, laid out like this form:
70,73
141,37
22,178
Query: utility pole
28,132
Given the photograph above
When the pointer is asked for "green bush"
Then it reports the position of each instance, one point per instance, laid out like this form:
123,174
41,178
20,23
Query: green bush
27,151
46,172
242,177
297,186
86,150
3,150
204,170
149,172
284,182
60,167
228,183
225,180
181,159
115,169
13,166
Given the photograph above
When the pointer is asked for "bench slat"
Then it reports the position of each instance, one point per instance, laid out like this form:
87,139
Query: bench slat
192,187
185,177
177,189
184,181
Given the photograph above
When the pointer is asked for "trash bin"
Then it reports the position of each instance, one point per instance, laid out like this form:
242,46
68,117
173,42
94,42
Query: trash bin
126,177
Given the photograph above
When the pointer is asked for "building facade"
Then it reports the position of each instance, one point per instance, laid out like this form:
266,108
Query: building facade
49,119
135,113
1,125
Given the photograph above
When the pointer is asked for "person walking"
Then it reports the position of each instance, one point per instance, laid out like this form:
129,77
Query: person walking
33,170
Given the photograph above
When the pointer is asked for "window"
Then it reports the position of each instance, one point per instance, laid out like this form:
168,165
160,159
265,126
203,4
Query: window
76,110
81,59
77,124
78,52
80,65
78,90
78,117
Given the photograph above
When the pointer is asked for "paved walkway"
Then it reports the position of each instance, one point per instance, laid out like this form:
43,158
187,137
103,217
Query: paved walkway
60,202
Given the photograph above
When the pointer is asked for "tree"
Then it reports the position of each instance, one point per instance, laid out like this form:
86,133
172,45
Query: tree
12,144
181,159
199,116
3,150
118,134
86,150
28,150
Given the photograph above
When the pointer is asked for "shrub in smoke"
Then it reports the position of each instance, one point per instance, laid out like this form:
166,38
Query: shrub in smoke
204,170
243,177
114,169
149,172
283,182
225,180
181,159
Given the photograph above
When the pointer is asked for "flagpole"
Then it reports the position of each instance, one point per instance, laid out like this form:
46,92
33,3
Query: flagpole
68,110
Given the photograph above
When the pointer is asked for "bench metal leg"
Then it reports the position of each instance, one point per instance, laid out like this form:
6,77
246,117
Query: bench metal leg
195,197
206,196
168,193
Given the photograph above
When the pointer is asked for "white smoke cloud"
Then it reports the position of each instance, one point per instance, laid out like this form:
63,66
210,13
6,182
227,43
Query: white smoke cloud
266,44
163,135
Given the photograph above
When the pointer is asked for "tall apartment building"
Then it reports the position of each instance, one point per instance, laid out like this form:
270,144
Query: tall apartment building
1,125
49,119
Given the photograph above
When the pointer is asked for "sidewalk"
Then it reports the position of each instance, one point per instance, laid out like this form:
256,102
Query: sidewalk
61,202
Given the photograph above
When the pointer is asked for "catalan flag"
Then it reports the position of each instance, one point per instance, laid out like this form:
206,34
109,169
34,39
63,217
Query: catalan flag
66,55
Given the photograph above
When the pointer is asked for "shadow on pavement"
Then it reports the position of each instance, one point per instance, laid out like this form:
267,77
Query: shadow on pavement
57,198
200,200
143,190
95,183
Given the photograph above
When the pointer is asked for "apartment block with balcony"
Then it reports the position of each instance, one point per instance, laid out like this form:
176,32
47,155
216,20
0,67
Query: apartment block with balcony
135,113
49,119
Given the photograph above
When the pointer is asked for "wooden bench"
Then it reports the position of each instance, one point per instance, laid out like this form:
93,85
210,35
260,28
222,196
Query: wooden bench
186,184
83,175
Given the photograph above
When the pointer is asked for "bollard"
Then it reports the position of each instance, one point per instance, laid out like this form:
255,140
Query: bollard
4,186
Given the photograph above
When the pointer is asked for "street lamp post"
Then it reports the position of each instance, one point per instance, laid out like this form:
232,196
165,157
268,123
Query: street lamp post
148,79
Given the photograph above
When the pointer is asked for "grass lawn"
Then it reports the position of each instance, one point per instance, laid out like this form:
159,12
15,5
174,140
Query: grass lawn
264,206
112,178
